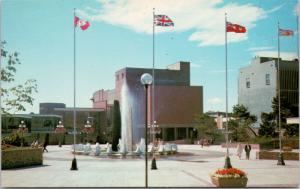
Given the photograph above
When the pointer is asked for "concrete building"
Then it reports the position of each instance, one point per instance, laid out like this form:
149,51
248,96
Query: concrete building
48,107
176,101
257,84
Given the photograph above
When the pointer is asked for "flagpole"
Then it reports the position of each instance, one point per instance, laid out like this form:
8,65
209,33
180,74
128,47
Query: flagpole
74,162
227,159
153,163
298,34
280,157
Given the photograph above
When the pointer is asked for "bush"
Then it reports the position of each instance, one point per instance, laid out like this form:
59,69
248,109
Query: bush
21,157
266,143
14,139
116,128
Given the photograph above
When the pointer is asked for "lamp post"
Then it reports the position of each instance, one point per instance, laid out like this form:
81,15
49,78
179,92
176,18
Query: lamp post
22,129
146,80
154,129
227,158
280,160
60,129
87,128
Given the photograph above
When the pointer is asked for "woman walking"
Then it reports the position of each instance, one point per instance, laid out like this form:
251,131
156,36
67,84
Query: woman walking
239,150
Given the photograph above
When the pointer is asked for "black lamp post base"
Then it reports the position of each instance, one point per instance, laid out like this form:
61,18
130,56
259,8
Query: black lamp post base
227,163
153,164
59,144
74,165
280,159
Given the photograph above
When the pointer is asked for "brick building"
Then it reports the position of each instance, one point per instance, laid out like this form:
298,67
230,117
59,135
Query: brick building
176,101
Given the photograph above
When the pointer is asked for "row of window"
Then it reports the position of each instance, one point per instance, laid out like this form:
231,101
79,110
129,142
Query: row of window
117,76
267,81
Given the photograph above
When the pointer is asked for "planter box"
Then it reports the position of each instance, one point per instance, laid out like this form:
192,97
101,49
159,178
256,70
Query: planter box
274,155
229,182
21,157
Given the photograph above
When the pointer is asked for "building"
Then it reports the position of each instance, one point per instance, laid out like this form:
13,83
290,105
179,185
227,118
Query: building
55,112
257,84
48,107
176,101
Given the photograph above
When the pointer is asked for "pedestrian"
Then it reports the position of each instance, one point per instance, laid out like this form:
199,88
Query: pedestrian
247,150
239,150
46,142
201,142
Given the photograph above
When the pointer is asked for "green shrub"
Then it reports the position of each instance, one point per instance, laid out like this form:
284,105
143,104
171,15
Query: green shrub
116,128
21,157
265,143
14,139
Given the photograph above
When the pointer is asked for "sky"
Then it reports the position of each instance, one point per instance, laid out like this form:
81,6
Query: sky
120,35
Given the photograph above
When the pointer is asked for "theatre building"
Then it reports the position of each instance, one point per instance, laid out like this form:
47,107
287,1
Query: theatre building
176,102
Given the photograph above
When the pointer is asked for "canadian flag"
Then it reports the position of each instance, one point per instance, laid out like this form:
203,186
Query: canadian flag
81,23
230,27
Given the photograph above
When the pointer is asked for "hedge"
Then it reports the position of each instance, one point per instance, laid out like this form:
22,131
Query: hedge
21,157
54,138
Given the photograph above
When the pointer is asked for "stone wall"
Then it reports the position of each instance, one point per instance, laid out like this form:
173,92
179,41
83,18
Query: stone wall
274,155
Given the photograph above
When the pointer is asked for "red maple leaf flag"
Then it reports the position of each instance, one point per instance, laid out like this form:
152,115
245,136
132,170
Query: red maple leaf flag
230,27
163,20
81,23
283,32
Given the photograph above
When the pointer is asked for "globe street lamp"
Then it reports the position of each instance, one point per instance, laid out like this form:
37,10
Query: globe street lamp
280,160
22,129
227,158
60,129
146,80
87,128
154,129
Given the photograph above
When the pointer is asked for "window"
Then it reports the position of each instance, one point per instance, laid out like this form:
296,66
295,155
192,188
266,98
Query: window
122,75
117,77
267,79
247,82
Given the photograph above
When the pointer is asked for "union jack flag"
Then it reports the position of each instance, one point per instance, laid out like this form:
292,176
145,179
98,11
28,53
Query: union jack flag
283,32
162,20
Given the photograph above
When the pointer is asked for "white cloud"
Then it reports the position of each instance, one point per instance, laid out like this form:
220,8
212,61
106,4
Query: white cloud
204,17
283,55
193,65
214,101
275,9
253,49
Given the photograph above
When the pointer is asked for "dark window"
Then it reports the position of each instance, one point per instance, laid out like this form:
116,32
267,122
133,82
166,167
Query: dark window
247,82
117,77
267,79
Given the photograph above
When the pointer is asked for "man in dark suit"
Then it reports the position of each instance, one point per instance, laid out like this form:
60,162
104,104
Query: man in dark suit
247,150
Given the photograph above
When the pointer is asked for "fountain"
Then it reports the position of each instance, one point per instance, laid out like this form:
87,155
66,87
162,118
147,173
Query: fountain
131,119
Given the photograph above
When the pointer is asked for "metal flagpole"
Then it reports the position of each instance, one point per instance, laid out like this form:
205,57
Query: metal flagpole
298,29
298,33
280,157
0,84
153,163
74,163
227,159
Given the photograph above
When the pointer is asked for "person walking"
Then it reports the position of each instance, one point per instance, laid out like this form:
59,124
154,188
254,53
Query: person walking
239,150
247,150
46,142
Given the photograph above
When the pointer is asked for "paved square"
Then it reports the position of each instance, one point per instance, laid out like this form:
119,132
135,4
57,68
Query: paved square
190,168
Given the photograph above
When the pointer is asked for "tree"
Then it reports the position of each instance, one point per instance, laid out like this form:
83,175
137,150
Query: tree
207,127
268,125
14,96
270,120
116,125
241,125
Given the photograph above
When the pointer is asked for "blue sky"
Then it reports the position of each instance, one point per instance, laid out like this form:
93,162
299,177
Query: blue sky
120,36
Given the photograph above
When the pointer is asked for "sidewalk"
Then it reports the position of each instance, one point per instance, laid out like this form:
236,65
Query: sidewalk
173,171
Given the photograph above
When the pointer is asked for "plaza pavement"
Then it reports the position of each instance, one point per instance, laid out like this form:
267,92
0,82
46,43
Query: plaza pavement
191,170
